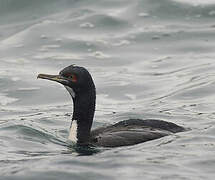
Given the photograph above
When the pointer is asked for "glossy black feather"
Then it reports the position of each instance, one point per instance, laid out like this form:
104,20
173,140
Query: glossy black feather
132,131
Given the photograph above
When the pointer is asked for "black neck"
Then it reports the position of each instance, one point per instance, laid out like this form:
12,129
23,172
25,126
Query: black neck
83,113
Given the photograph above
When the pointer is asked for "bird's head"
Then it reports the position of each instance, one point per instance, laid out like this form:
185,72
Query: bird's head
76,79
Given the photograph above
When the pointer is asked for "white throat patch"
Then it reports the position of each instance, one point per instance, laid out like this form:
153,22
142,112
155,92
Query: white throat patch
70,90
73,132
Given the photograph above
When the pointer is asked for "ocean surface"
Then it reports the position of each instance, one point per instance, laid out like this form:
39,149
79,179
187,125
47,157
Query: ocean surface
149,59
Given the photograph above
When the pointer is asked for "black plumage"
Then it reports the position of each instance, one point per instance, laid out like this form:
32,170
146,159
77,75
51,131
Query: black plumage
80,85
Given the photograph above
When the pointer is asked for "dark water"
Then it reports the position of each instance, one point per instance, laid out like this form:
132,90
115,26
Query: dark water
149,59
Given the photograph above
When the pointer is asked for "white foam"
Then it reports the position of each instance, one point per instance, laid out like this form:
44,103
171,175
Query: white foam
4,100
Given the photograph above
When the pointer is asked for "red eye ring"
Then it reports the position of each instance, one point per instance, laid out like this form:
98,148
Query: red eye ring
72,77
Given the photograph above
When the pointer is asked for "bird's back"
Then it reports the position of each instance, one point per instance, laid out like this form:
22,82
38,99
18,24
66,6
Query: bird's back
132,131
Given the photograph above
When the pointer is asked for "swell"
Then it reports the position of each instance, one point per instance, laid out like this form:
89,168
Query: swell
30,133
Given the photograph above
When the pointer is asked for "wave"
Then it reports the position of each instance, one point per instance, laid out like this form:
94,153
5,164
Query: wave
31,134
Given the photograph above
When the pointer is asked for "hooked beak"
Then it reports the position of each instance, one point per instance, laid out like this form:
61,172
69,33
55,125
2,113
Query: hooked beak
56,78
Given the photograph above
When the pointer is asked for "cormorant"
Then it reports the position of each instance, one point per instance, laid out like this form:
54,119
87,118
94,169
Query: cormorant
79,83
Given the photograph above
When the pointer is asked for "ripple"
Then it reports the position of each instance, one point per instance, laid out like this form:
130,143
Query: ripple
99,55
197,2
48,47
87,25
122,43
5,100
58,56
142,14
31,134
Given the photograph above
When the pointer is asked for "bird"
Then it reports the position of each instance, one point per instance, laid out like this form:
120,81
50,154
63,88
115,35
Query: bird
80,85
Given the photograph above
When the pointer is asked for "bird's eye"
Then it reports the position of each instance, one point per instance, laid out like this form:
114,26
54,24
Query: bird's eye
69,76
72,77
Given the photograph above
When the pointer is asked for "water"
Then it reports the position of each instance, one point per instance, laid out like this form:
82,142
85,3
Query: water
149,59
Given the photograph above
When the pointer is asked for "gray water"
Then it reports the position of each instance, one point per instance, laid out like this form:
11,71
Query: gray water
149,59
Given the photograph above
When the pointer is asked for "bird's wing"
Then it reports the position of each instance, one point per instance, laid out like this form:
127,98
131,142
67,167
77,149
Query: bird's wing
126,137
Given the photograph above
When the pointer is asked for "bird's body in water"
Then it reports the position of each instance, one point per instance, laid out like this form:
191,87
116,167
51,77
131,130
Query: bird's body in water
79,83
